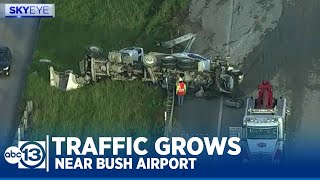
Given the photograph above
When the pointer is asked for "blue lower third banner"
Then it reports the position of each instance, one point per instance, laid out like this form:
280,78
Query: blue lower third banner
142,157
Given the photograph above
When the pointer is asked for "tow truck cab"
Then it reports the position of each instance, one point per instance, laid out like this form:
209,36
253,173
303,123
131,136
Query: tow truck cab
263,131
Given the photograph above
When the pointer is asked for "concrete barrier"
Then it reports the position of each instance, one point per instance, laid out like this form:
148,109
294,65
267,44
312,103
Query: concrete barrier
24,123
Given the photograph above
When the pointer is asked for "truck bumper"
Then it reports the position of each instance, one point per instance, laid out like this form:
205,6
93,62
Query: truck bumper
4,72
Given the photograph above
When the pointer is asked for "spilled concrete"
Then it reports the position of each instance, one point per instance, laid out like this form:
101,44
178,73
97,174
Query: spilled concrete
232,27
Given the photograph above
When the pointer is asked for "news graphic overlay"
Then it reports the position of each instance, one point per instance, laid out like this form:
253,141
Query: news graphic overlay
28,155
114,153
29,10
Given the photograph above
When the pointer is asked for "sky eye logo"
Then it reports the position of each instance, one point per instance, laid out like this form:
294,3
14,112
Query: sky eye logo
29,10
28,155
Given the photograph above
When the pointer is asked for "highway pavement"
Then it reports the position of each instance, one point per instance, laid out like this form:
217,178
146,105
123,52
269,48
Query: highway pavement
291,52
290,57
20,36
206,117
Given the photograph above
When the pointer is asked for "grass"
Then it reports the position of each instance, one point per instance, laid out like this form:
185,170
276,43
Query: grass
109,108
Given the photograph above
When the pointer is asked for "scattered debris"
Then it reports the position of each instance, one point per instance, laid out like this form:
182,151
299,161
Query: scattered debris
200,93
45,61
65,80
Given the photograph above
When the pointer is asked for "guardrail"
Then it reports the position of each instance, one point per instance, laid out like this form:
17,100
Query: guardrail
168,114
24,123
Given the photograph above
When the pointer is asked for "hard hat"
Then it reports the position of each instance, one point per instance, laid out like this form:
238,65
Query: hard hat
180,79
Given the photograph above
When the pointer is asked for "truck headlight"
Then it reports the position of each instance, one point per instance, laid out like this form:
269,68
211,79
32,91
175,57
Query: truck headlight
5,68
241,77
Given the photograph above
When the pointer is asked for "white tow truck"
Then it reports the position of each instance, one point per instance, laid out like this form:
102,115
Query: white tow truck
263,132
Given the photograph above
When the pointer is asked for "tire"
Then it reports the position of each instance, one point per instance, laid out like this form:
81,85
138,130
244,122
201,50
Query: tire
236,73
187,65
169,66
169,60
187,68
94,51
149,60
238,103
187,62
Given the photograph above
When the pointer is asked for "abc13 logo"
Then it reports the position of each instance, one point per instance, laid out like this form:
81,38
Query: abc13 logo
28,155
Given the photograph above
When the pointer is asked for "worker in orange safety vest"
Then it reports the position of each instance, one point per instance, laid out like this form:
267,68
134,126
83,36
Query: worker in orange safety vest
181,91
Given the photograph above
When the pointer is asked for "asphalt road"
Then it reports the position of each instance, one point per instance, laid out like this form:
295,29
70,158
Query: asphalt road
292,52
20,36
206,117
290,57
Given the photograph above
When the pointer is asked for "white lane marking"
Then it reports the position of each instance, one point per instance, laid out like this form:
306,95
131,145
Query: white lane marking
220,116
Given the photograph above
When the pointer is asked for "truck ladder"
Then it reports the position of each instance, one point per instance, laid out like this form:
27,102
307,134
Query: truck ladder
168,114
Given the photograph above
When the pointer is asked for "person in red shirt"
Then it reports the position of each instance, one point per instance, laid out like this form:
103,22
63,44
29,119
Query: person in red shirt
181,90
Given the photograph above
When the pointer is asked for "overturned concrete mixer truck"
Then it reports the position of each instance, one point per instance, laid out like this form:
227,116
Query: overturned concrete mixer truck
159,69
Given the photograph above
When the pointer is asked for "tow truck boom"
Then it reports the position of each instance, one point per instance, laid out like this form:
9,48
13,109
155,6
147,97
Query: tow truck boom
170,44
265,96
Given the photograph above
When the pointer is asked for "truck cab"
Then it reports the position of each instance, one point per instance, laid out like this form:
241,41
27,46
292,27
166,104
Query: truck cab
132,54
263,129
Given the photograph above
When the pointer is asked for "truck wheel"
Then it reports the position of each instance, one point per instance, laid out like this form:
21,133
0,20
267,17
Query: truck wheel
187,68
94,51
238,103
149,60
169,65
187,63
169,60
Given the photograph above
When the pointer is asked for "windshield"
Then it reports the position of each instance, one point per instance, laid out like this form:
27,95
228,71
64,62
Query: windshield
4,54
262,133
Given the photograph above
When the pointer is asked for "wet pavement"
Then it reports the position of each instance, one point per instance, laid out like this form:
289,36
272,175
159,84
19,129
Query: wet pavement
290,57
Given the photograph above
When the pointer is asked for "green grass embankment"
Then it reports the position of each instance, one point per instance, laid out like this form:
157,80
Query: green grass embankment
109,108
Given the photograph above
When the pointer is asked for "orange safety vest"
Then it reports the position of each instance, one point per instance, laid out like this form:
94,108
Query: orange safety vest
181,89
